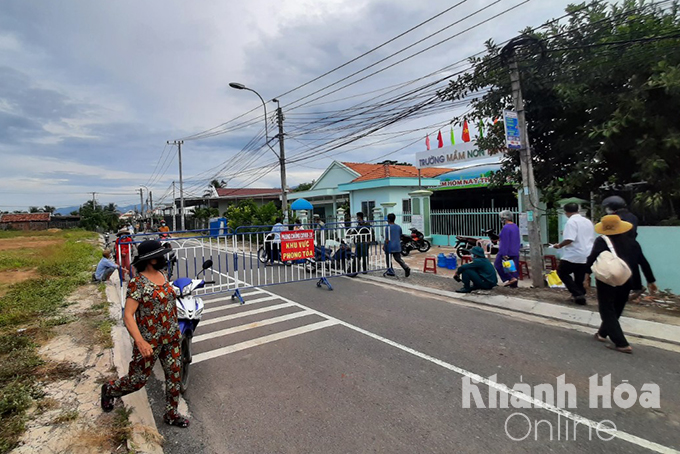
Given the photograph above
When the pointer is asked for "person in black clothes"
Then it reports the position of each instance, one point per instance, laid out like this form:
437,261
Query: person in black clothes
364,238
611,300
616,205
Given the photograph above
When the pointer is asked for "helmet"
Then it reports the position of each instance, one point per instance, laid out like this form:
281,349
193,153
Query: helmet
506,215
614,203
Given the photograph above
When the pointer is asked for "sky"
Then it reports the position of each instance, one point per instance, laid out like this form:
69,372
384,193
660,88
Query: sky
91,91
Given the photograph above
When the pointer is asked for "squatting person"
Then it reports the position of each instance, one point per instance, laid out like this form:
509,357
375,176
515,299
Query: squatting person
151,319
480,273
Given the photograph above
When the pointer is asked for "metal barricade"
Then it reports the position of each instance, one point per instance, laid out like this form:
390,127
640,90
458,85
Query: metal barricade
251,257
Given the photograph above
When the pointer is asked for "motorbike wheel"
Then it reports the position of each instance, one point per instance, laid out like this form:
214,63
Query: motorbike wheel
425,246
405,251
262,255
185,362
461,251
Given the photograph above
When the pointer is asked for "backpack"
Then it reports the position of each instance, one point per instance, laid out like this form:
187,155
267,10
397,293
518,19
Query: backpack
610,268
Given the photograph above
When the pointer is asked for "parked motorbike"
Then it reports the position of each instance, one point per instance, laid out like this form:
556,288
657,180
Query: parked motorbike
189,312
465,243
415,241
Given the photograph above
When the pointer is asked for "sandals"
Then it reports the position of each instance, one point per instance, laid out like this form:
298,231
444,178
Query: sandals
599,338
106,400
627,349
179,421
512,282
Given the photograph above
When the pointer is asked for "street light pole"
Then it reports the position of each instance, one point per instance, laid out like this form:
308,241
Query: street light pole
282,154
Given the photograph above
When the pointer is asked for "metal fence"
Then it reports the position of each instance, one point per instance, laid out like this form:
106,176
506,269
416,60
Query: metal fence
468,222
251,256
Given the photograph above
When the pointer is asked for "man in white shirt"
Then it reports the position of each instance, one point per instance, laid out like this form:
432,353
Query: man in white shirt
579,235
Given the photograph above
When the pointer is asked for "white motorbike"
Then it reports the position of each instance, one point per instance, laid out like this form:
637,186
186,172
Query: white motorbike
189,312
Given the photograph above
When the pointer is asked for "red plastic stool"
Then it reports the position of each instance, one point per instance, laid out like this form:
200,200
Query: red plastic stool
465,259
523,265
427,268
552,265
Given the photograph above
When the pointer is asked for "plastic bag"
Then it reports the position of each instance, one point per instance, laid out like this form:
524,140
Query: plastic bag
554,280
509,266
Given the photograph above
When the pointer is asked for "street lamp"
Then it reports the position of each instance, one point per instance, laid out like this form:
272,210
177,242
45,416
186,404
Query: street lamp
281,155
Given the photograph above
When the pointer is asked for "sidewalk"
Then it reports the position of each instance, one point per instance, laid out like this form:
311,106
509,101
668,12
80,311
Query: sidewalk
661,323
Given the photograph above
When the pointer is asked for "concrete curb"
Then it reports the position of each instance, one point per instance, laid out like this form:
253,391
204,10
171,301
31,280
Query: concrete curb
632,326
145,435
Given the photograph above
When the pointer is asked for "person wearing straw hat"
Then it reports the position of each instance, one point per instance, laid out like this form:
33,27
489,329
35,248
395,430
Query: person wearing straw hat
612,300
480,272
151,319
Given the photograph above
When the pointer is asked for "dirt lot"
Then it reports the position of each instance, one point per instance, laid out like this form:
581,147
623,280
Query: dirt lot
28,242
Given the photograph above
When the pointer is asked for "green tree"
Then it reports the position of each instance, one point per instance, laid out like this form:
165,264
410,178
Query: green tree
48,209
304,187
34,210
602,93
98,217
247,212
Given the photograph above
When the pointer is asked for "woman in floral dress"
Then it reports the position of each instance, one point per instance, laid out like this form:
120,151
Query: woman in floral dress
151,319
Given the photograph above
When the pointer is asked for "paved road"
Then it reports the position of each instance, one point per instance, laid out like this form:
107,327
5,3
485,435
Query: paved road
368,368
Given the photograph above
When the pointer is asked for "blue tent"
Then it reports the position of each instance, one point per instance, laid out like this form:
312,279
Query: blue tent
301,204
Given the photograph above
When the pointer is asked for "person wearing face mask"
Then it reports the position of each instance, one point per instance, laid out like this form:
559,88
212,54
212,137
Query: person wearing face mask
151,319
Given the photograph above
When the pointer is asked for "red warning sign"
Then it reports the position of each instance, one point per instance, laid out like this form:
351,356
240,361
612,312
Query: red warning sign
297,245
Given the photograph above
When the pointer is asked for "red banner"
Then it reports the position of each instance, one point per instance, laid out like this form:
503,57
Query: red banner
297,245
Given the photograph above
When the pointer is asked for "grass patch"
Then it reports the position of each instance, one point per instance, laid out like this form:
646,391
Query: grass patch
122,427
104,332
66,417
34,305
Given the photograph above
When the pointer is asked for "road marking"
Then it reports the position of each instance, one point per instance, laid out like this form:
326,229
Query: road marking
331,321
237,329
625,436
225,298
227,306
245,314
262,340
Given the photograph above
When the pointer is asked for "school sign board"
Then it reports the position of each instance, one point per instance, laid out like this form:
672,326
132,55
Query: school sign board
297,245
452,156
513,139
471,177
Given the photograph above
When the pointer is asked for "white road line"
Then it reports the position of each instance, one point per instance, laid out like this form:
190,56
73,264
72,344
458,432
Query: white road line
625,436
262,340
225,298
227,306
245,314
644,443
237,329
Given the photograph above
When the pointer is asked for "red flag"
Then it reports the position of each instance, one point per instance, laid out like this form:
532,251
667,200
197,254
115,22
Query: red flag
466,131
440,140
427,141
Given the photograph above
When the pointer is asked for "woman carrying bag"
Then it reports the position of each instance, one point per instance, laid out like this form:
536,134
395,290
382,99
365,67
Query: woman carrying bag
614,260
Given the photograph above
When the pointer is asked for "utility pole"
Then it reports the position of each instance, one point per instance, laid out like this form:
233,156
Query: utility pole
141,202
181,183
282,162
151,206
94,201
529,191
174,209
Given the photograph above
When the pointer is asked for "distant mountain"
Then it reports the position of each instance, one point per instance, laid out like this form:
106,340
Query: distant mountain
65,211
